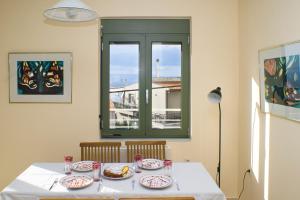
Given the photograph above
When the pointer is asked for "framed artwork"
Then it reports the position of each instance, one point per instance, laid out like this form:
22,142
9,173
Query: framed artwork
40,77
280,80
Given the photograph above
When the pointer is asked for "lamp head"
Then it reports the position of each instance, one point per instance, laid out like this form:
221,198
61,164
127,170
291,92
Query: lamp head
71,11
215,96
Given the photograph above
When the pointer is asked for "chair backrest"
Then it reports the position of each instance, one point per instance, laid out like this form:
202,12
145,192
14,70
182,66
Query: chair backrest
159,198
135,198
106,152
59,198
148,149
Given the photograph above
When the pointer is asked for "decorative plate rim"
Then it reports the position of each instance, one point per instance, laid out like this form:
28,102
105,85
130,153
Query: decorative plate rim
78,170
145,176
74,188
161,166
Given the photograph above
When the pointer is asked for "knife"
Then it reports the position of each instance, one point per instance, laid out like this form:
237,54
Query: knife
100,184
133,184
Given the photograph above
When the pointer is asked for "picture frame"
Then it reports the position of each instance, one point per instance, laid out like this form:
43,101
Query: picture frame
40,77
280,80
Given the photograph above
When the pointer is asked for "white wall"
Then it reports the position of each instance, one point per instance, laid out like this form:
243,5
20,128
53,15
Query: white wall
275,152
27,131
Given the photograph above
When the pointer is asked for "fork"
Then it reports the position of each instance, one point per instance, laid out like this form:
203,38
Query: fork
54,183
177,185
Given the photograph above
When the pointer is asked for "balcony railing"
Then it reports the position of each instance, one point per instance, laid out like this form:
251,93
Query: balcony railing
161,118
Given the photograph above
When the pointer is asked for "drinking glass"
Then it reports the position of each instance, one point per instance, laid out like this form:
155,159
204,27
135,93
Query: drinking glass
96,171
137,162
168,167
68,164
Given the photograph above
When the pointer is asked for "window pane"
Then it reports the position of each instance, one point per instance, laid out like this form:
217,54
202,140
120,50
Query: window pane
124,86
166,86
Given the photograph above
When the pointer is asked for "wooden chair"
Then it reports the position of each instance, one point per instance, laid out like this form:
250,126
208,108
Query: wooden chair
148,149
106,152
159,198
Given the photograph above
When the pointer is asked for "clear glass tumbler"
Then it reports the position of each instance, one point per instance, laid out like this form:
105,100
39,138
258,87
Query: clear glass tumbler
137,163
168,167
96,171
68,164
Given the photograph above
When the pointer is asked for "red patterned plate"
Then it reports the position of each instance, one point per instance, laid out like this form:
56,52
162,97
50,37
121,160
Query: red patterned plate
156,181
76,181
83,166
151,164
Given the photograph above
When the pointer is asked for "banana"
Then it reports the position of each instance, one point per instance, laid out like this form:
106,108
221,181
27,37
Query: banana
125,170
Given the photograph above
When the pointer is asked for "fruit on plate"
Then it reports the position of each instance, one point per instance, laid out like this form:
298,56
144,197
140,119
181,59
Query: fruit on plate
116,171
125,170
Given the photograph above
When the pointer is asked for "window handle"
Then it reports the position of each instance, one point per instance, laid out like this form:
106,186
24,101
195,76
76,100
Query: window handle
147,96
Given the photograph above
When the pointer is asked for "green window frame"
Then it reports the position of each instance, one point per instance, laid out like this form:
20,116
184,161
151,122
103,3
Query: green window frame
145,32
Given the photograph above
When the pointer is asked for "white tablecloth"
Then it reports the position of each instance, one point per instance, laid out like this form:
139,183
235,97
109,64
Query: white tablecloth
35,181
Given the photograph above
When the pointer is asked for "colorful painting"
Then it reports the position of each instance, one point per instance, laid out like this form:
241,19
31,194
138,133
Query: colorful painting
40,77
280,81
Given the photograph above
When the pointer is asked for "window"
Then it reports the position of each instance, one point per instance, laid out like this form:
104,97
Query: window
145,66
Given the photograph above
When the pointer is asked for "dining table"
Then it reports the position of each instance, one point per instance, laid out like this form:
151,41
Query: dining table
190,179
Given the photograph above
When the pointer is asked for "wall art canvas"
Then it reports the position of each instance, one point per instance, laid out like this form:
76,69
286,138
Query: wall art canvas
40,77
280,80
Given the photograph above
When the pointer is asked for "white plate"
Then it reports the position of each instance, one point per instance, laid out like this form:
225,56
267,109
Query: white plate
129,173
156,181
151,164
83,166
76,181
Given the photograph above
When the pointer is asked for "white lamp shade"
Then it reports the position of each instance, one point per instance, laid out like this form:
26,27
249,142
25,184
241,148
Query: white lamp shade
214,98
71,11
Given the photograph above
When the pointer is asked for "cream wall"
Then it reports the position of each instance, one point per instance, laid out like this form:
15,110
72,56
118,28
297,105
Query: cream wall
264,24
46,132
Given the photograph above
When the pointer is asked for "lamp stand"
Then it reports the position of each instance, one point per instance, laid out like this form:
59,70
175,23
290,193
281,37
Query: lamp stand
220,139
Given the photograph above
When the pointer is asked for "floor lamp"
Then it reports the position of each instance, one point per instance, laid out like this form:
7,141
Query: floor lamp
215,96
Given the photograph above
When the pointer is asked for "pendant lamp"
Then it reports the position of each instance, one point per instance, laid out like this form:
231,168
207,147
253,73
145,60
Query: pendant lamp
71,11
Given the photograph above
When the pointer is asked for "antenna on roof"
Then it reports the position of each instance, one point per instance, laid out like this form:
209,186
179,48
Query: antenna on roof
157,68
